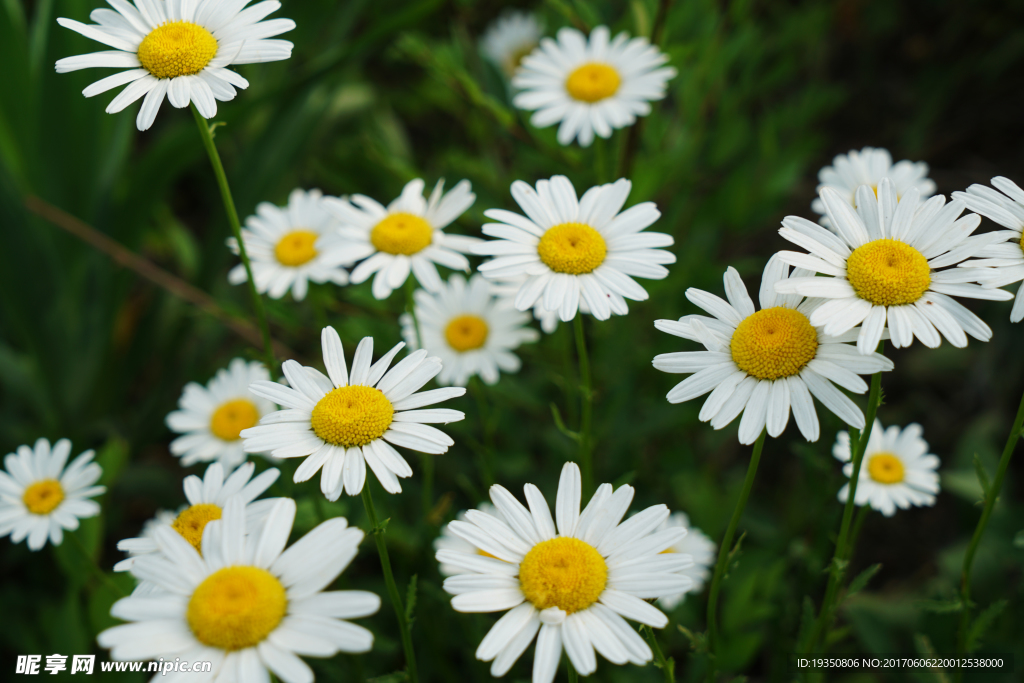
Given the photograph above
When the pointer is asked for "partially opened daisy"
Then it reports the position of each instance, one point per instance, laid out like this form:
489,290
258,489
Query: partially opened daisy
765,363
511,37
573,250
343,421
291,246
590,85
449,541
897,470
470,330
40,497
406,235
177,49
699,547
210,418
248,605
571,581
883,268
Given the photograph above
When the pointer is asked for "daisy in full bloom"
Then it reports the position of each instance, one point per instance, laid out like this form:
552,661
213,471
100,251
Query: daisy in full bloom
343,421
511,37
290,246
764,363
897,470
883,265
574,251
40,497
590,85
449,541
471,331
699,547
246,604
179,49
567,581
868,167
406,235
210,418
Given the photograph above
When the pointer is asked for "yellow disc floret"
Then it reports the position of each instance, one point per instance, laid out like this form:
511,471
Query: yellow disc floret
352,416
1022,242
296,248
192,520
236,607
43,497
885,468
593,82
231,417
177,48
888,273
466,332
774,343
402,233
574,248
563,572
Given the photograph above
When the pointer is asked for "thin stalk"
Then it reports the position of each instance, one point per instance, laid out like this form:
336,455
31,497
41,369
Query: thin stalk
862,515
410,307
94,566
486,444
428,485
667,667
586,408
725,549
573,676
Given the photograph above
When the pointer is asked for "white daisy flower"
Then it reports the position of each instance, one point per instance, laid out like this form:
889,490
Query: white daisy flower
763,363
179,49
407,235
572,251
590,85
247,604
1003,262
883,265
569,586
210,418
511,37
344,421
868,167
471,331
897,470
699,547
290,246
40,497
507,290
449,541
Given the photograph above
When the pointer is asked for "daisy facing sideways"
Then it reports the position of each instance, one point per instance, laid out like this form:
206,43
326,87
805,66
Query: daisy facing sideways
509,38
344,421
178,49
571,250
765,363
570,581
897,471
699,547
449,541
40,497
882,268
248,605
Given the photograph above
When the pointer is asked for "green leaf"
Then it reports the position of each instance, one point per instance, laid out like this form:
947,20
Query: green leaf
560,424
859,583
983,479
941,606
410,601
983,622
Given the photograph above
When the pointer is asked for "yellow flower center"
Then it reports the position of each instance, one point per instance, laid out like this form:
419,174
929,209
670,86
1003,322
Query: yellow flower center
192,520
774,343
593,82
236,607
177,48
1022,242
352,416
42,497
563,572
466,332
885,468
232,417
296,248
402,233
574,248
888,273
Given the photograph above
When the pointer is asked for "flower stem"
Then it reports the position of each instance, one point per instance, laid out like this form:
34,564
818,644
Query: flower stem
389,579
95,567
586,408
410,307
236,230
486,443
725,550
573,676
667,666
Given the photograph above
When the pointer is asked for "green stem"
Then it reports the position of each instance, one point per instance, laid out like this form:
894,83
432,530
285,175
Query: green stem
586,408
601,160
487,442
668,667
573,676
94,566
389,579
236,230
862,515
410,307
724,550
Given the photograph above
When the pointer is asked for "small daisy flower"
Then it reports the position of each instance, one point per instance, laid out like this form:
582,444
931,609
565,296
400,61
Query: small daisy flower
699,547
509,38
449,541
407,235
897,470
246,604
210,418
471,331
568,585
40,497
179,49
764,363
290,246
344,421
868,167
572,251
590,85
883,265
